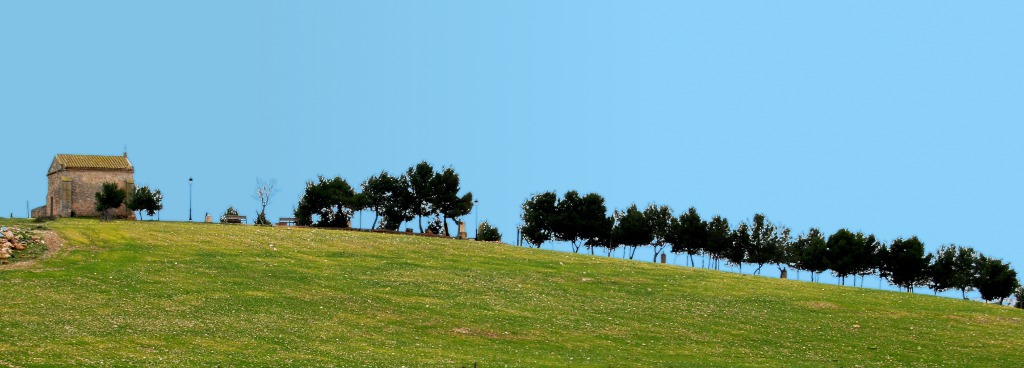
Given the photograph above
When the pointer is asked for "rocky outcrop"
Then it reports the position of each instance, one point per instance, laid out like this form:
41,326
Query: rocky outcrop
13,240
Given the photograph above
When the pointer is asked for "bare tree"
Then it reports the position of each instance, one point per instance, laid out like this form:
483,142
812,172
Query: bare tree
265,191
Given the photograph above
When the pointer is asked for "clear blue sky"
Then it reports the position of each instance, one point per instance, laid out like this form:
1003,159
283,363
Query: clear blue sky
895,118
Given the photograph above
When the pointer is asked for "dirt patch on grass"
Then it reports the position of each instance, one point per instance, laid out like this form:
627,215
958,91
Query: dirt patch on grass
53,245
819,305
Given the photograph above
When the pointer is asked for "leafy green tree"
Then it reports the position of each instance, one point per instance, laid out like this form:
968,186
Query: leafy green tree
690,234
659,220
719,238
376,190
157,204
486,232
445,200
736,254
539,212
813,253
328,201
953,267
905,264
358,203
868,262
852,254
137,199
108,198
389,198
795,253
579,219
882,259
143,199
601,234
965,270
996,280
762,247
421,189
782,245
632,229
843,251
595,224
1019,295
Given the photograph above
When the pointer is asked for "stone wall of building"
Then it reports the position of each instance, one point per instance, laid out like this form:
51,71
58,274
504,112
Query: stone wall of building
73,192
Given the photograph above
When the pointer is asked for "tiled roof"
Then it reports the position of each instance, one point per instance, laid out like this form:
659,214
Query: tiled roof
94,162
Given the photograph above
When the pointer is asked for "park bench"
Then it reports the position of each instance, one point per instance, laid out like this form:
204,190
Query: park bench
234,219
287,221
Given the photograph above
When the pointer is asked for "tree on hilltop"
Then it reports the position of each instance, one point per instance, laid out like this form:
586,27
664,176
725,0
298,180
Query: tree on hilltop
421,190
762,247
689,234
632,229
659,221
445,200
579,220
328,201
996,280
601,237
539,212
953,267
143,199
782,248
868,257
736,254
811,252
905,263
390,199
265,191
719,238
108,198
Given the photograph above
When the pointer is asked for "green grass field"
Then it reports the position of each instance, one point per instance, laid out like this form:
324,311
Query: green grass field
178,294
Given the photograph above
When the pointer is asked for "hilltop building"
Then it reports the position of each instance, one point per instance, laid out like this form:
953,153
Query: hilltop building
74,180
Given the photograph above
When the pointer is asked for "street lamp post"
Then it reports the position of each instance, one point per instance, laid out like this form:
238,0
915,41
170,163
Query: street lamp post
519,236
190,199
476,209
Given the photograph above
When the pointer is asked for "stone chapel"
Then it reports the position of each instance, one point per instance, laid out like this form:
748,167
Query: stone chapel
74,180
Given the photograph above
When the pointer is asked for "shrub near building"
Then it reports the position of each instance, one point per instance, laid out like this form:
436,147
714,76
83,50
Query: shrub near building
486,232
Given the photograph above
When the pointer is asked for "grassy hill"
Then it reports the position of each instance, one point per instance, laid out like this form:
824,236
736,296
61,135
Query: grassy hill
173,294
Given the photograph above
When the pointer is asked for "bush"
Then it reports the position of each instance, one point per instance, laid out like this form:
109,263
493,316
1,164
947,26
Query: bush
108,199
261,219
231,211
486,232
435,227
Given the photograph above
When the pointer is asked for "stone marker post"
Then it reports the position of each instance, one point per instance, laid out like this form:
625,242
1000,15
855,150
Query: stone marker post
462,231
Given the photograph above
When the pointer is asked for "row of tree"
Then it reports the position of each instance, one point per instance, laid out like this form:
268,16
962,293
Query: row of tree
583,221
394,199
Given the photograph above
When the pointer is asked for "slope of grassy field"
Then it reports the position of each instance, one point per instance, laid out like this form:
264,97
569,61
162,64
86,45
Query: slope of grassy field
178,294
